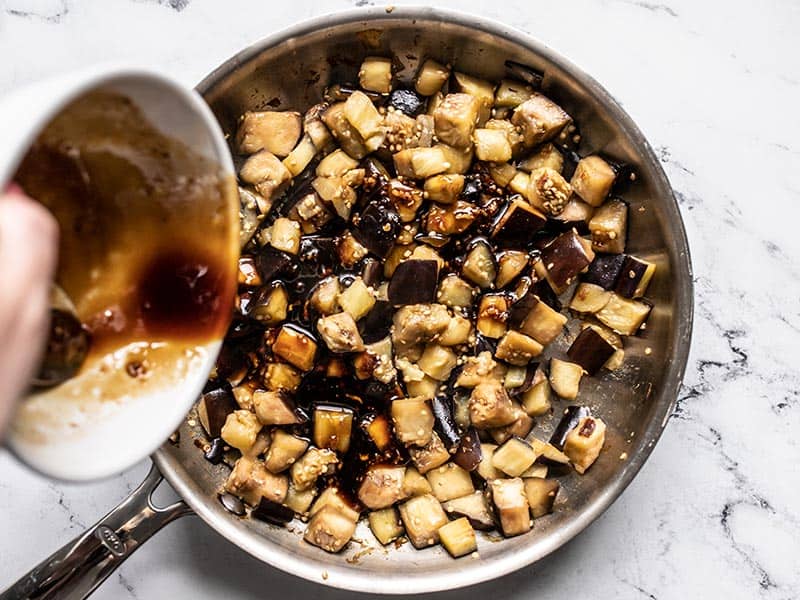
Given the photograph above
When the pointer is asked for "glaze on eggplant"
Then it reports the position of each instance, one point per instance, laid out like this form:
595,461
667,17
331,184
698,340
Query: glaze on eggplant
590,350
414,282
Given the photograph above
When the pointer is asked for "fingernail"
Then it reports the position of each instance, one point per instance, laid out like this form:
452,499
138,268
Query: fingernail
14,188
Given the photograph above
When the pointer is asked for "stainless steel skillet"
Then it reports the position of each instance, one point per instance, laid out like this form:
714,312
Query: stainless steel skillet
292,68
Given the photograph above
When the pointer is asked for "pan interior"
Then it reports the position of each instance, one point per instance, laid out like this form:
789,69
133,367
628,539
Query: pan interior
290,71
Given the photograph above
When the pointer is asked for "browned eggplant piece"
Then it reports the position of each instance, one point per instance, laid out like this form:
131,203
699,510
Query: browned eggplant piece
634,277
330,529
521,309
371,272
268,304
332,427
468,455
541,494
623,315
276,408
584,443
378,227
604,270
609,227
512,506
296,346
406,101
340,333
444,423
565,257
422,517
214,408
413,421
67,347
479,264
377,427
490,406
529,75
272,263
474,507
517,223
375,326
572,416
272,512
382,486
590,350
430,456
414,282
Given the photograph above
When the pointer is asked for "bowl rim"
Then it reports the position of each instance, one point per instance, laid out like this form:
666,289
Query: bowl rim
479,571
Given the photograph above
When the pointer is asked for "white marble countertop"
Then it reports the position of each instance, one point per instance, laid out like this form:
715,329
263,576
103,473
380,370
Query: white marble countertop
716,88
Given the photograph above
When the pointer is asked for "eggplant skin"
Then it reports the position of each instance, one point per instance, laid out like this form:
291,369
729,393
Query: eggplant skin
414,282
604,270
590,350
572,416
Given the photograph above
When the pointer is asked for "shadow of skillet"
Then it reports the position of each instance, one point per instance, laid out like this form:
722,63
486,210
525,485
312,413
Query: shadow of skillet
210,562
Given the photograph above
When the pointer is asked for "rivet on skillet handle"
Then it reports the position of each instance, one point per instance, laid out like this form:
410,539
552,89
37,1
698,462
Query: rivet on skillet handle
75,570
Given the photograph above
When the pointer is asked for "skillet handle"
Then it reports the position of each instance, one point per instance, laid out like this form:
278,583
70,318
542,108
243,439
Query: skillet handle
74,571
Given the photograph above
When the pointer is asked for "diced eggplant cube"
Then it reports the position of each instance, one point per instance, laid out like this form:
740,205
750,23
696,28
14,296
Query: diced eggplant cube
269,305
480,89
592,179
459,160
444,188
537,401
576,214
419,323
548,191
486,468
454,291
455,119
491,145
543,323
546,156
548,453
490,406
565,257
413,421
382,486
437,361
415,484
517,349
375,74
457,332
332,427
361,113
474,507
569,421
431,77
414,282
422,517
250,481
274,131
434,454
248,274
214,408
510,264
267,174
604,270
333,496
420,163
347,136
377,229
300,502
589,298
609,227
406,101
468,455
340,333
325,295
520,427
284,235
514,457
284,450
540,118
378,429
450,481
565,378
634,277
492,315
512,506
513,136
272,512
330,529
590,350
302,155
357,299
584,443
451,219
623,315
336,164
385,524
541,494
240,430
536,470
517,223
311,465
458,537
275,408
295,347
511,93
478,369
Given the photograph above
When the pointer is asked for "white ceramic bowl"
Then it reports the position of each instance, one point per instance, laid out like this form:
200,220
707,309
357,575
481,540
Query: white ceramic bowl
84,439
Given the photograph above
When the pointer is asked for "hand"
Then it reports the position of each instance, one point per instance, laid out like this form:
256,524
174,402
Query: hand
28,250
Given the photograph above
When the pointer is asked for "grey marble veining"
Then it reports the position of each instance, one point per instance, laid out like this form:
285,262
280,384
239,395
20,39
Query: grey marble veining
716,88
